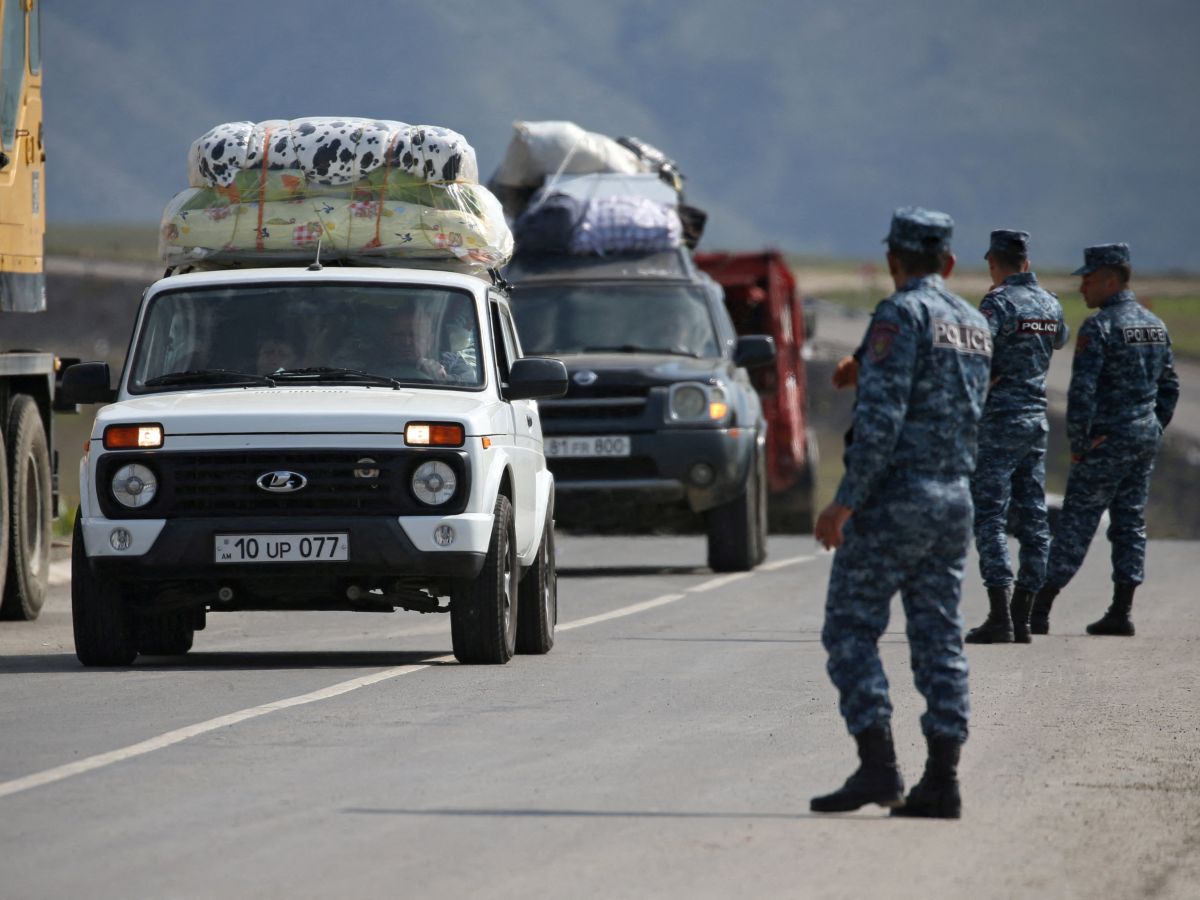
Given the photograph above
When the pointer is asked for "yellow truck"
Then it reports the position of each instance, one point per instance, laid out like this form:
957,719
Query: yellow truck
28,489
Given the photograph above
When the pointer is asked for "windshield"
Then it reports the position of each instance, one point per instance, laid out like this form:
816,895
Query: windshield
622,317
343,332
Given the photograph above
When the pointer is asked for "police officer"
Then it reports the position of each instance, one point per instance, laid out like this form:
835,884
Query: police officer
1027,326
1122,395
901,519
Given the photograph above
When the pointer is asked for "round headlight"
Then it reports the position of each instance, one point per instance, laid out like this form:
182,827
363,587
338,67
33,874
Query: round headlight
134,485
689,402
434,482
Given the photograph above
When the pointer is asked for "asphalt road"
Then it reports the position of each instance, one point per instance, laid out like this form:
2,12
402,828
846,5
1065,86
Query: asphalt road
667,747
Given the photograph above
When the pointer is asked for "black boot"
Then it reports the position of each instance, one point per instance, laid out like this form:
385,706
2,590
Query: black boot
1022,606
936,795
997,628
877,779
1116,621
1039,618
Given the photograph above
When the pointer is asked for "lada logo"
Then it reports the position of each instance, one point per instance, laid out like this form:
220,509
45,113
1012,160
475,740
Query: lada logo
584,378
281,482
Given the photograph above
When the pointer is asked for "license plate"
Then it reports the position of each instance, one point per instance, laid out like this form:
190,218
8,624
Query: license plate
268,548
592,445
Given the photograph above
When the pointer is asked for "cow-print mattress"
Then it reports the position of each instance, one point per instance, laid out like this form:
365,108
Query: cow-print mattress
330,151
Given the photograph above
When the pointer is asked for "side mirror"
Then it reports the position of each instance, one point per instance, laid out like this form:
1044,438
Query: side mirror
536,377
754,350
88,382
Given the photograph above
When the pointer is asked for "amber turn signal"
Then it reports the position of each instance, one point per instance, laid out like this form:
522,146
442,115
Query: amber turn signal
433,434
133,437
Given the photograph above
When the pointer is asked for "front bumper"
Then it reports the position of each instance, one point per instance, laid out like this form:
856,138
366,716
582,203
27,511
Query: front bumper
380,547
662,469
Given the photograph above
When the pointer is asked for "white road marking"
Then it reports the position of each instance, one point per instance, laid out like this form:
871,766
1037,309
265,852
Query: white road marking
60,574
718,582
99,761
784,563
619,613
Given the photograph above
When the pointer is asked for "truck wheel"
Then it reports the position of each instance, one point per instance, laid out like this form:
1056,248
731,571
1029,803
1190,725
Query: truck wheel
736,537
29,512
165,634
483,610
3,522
104,634
793,510
537,611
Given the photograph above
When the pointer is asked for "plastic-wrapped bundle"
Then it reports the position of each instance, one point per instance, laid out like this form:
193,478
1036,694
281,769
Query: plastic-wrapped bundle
541,149
466,223
364,189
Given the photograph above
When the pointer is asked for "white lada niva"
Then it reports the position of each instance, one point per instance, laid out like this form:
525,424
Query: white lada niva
331,438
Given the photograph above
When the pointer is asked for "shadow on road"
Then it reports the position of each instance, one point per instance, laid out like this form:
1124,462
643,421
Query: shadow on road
815,639
628,571
607,814
200,661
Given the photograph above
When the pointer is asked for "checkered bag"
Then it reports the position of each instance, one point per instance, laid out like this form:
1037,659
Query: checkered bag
626,225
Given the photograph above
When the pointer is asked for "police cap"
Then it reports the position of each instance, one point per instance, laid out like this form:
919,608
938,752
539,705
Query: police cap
920,230
1014,243
1102,255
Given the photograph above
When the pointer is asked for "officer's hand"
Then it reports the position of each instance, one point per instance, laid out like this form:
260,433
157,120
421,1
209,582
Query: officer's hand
828,530
845,374
1096,442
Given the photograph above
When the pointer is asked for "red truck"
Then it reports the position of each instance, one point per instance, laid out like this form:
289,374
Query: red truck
761,295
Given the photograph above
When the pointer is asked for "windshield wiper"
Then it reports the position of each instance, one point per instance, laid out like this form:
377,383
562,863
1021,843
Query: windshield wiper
633,348
209,376
330,373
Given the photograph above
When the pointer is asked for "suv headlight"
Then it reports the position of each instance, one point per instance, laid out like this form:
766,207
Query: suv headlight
695,402
433,483
134,485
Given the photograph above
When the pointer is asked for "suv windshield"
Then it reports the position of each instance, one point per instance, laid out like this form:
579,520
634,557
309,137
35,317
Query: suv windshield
333,332
623,317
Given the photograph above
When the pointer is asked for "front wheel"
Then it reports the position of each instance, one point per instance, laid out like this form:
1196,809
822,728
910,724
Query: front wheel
537,611
737,529
104,630
483,610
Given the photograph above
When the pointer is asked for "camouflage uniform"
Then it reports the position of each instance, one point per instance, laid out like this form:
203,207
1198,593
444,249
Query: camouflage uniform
1123,388
1027,326
921,390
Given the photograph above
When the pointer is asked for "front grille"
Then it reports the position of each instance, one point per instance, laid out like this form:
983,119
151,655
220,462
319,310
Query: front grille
207,485
218,484
592,410
603,469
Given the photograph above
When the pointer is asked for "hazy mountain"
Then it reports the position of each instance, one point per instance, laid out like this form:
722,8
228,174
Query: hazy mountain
799,123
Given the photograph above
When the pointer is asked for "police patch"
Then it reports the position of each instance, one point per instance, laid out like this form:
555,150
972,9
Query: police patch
1048,327
1082,343
879,344
1141,334
963,338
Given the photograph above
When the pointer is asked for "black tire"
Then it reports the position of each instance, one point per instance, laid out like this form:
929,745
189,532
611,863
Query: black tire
104,632
537,610
484,609
793,511
165,634
29,512
736,530
3,520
